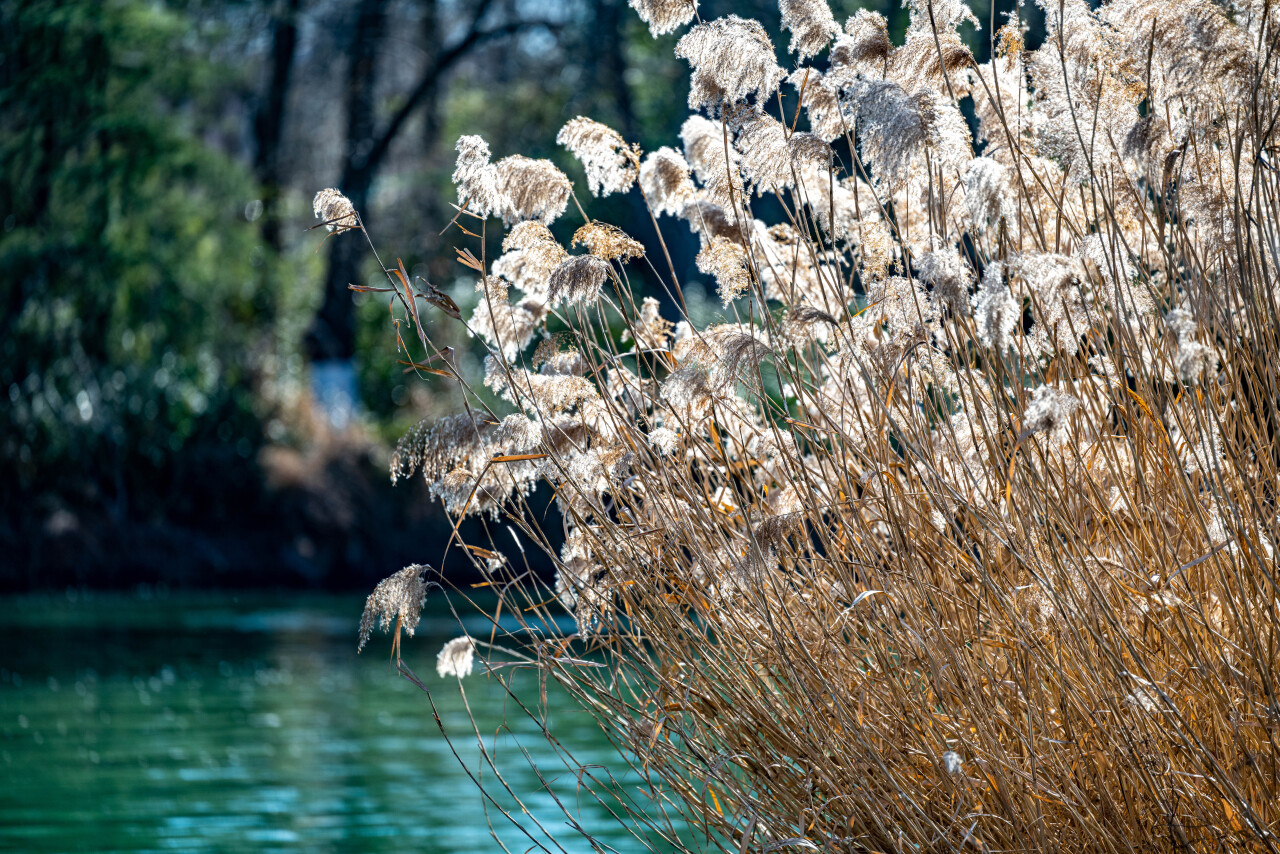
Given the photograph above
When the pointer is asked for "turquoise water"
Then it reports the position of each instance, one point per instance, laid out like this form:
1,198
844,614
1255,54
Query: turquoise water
221,723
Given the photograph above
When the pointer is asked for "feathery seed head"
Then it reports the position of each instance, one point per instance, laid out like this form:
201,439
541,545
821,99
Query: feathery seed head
1145,140
941,15
717,166
820,98
518,433
1181,323
459,490
665,180
529,234
395,602
864,49
727,261
995,311
950,276
548,348
947,132
533,189
665,16
335,210
530,253
809,151
476,178
1011,41
563,363
506,327
609,161
806,323
762,139
937,60
877,249
1142,698
986,187
771,158
849,200
1050,412
891,127
1192,359
456,657
577,279
664,440
731,58
737,351
435,448
688,391
709,220
811,24
608,242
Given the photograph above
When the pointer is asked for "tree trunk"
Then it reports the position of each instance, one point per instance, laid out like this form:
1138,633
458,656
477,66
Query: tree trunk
269,122
432,207
612,64
332,333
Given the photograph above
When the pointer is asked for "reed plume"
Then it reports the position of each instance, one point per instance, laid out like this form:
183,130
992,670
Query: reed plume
960,533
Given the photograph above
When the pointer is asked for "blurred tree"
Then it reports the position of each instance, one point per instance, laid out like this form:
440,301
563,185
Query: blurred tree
331,339
133,315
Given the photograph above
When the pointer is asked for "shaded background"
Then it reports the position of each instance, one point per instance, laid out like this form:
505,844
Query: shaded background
189,393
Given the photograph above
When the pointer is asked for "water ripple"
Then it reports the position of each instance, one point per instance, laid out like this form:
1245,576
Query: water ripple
216,724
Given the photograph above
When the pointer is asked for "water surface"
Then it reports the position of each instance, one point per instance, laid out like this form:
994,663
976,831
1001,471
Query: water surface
238,723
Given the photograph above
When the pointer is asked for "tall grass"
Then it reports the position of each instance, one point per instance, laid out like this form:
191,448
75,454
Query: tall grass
959,533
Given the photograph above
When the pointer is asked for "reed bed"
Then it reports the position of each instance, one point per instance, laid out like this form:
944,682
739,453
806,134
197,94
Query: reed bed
958,532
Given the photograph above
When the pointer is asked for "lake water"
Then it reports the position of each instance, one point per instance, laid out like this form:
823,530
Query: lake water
221,723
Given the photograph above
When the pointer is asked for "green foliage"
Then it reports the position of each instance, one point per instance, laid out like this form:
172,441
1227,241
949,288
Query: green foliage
136,295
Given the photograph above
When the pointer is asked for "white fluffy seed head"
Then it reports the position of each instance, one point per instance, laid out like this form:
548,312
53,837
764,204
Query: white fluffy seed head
334,210
1192,360
396,601
731,58
608,242
995,311
811,24
819,94
864,48
1049,412
666,182
717,164
664,440
665,16
456,658
531,189
476,178
609,162
986,187
518,434
949,275
727,262
577,279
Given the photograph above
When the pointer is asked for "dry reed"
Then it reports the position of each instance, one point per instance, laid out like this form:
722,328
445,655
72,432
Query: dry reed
960,535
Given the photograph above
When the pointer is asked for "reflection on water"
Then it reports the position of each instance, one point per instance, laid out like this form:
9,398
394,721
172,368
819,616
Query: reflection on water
216,723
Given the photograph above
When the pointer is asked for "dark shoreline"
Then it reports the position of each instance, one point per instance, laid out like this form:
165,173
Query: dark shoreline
335,524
